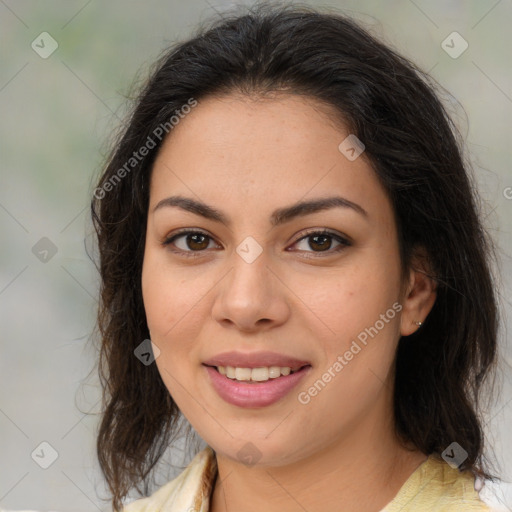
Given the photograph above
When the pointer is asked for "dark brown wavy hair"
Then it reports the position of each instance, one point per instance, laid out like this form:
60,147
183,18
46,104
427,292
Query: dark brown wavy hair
415,150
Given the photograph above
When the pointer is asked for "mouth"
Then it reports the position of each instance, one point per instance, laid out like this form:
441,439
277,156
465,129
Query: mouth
258,374
256,379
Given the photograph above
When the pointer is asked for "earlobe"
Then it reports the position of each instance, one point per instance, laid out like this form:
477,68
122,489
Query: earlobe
420,295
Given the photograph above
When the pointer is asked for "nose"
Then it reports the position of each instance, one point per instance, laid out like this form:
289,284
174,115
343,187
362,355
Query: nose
251,297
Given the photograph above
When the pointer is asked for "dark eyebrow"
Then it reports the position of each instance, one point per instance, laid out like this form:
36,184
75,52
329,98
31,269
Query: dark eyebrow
279,216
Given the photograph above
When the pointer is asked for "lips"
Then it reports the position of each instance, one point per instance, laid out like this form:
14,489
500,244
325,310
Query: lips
255,360
242,393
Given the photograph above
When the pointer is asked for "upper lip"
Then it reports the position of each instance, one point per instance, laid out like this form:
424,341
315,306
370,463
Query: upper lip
255,360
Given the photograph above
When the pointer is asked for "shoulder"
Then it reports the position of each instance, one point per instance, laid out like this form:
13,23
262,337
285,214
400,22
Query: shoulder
436,486
190,490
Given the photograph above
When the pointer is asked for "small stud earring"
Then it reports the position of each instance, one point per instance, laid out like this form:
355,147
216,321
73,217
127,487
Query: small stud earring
419,324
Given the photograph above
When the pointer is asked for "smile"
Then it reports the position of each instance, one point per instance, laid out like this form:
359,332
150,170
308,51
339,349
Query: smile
254,387
261,374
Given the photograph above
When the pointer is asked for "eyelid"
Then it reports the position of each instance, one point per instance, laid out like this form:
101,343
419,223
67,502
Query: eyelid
324,231
184,231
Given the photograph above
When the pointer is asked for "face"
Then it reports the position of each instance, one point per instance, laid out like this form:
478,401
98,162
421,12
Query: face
239,274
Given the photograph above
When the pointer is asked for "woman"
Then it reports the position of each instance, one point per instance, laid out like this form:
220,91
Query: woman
288,218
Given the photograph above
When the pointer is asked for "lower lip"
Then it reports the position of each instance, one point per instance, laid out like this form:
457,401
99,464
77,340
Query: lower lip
262,394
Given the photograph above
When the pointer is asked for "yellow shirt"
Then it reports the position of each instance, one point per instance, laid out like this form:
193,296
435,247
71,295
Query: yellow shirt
433,487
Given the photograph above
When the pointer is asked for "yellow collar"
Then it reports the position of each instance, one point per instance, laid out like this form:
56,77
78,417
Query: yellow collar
433,486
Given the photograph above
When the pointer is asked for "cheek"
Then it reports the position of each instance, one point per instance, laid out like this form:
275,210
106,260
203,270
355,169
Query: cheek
156,293
169,305
351,297
167,296
360,310
174,301
359,317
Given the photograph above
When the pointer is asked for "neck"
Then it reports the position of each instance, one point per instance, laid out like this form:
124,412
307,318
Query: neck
343,472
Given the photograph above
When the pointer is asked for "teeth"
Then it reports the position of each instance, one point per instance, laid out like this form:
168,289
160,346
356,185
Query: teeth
261,374
243,374
274,372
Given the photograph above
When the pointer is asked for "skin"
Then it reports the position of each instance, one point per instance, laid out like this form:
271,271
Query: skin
246,158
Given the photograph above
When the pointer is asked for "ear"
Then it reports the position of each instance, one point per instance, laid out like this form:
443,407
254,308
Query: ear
419,295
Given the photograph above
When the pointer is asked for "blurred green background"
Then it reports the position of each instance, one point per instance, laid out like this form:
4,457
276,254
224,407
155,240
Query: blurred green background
57,116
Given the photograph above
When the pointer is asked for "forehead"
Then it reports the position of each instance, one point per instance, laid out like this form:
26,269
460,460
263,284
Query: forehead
235,123
257,151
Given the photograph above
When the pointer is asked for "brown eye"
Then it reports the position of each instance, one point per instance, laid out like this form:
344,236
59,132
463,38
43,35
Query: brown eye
322,241
196,241
189,242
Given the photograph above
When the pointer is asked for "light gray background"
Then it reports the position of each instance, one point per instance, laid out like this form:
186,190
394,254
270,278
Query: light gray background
56,115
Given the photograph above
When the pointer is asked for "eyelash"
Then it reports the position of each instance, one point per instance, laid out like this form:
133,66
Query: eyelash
344,242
